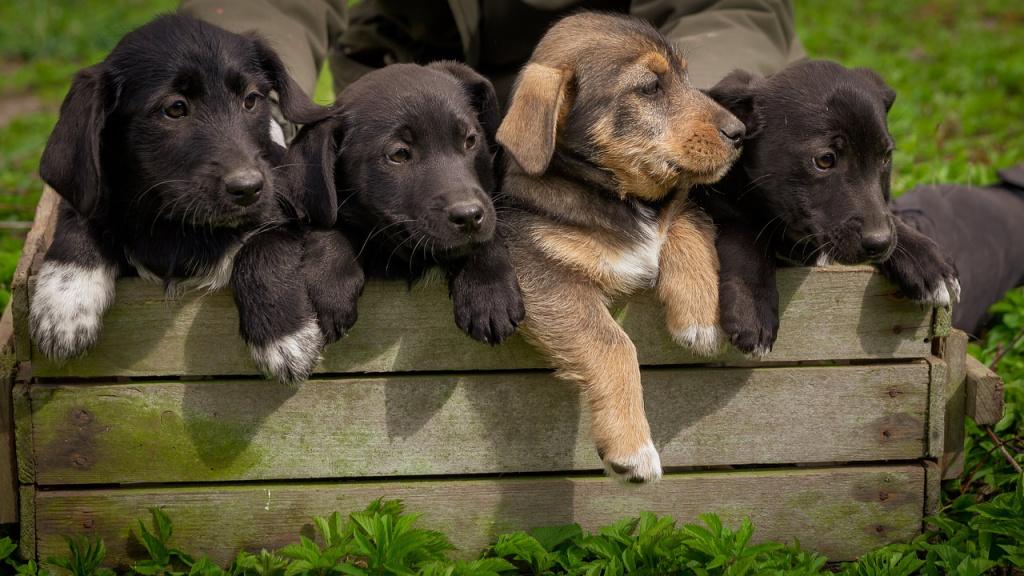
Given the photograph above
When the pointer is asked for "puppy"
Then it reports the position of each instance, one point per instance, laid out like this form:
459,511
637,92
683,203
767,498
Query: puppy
606,135
164,160
406,164
811,188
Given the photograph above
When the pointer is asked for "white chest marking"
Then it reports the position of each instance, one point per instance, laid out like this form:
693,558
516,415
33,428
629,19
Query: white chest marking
637,266
212,279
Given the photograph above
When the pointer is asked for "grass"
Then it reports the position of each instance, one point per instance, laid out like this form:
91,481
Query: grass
959,72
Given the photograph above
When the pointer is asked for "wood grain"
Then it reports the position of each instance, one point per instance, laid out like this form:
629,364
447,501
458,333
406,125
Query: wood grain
954,353
827,314
841,512
984,393
485,423
8,476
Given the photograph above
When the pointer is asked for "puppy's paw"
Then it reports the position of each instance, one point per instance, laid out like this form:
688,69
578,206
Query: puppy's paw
337,311
67,308
639,467
702,340
290,359
922,273
488,312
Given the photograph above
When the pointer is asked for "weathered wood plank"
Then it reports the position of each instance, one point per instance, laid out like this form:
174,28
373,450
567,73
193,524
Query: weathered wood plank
483,423
954,353
27,524
830,313
984,393
23,434
939,377
36,242
8,477
842,512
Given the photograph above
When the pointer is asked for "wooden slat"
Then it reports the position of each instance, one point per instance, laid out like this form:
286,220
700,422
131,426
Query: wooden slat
939,378
23,434
27,523
831,313
954,353
8,477
842,512
984,393
484,423
36,242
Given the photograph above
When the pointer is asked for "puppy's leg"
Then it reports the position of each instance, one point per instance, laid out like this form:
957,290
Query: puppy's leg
73,289
570,321
920,269
334,281
688,281
485,293
747,294
275,316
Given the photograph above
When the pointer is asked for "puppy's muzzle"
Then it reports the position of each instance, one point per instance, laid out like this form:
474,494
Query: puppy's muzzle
244,185
467,216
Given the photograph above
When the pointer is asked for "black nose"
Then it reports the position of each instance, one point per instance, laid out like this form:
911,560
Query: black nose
466,216
876,243
244,185
733,132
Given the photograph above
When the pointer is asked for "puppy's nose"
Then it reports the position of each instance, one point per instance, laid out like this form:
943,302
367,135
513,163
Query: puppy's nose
733,132
244,185
466,216
875,243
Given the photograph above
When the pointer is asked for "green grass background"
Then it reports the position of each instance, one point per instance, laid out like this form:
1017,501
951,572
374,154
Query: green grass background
958,68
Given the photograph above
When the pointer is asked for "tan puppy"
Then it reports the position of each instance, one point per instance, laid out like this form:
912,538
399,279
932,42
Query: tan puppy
606,135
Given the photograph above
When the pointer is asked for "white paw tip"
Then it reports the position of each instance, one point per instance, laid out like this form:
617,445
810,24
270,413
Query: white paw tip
940,296
704,340
642,466
291,359
760,352
954,284
67,307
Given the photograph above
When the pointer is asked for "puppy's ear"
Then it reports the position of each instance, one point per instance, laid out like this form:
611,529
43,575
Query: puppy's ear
71,161
530,128
887,94
311,158
295,104
481,96
736,93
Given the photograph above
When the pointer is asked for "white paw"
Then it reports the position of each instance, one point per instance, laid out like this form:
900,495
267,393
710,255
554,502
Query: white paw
947,293
759,352
291,359
67,307
702,340
640,467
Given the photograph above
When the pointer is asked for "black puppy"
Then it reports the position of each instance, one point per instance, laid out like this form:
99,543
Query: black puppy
811,188
407,164
164,159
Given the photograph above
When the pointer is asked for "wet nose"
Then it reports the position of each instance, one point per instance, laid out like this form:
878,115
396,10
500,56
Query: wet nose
732,132
244,185
466,216
875,243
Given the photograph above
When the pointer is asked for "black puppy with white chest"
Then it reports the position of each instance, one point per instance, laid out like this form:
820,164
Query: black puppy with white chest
165,162
407,164
811,188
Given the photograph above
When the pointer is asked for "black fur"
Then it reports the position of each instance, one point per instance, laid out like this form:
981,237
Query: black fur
782,198
407,163
149,190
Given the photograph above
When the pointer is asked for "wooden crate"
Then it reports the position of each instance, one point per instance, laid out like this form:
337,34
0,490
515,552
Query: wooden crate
837,439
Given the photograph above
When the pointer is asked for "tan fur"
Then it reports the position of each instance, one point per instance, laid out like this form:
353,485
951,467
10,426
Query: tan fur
572,256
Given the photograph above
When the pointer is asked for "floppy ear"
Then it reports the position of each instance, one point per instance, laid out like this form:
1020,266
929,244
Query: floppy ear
736,93
481,96
296,106
311,158
71,160
529,130
888,94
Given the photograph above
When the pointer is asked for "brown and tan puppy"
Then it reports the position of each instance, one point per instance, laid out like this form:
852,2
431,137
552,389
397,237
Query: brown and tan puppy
606,135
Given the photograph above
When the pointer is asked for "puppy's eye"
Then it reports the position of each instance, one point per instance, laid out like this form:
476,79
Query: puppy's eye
251,100
176,109
400,155
470,141
826,161
651,88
